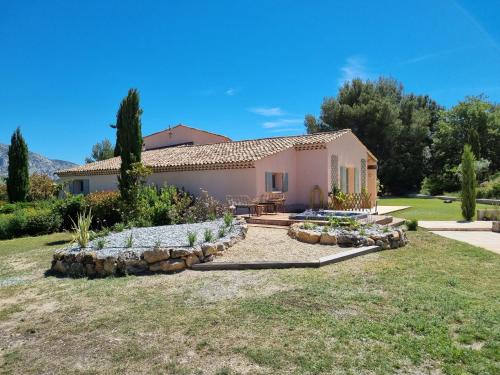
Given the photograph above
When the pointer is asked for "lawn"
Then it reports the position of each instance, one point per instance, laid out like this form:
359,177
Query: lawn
427,209
431,307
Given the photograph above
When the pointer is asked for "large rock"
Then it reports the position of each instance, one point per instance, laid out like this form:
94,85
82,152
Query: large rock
348,240
181,252
156,254
168,265
328,239
109,266
60,266
308,236
192,259
209,248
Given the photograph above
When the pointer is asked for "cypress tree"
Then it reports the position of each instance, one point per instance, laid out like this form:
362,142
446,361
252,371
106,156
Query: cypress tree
468,184
18,180
129,139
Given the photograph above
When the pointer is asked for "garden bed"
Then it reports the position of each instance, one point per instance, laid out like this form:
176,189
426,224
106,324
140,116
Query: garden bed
148,250
363,235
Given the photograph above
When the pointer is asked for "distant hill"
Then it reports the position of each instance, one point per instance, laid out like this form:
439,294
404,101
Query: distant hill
38,163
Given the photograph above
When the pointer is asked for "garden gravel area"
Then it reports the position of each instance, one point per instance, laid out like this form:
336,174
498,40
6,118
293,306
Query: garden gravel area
274,244
167,236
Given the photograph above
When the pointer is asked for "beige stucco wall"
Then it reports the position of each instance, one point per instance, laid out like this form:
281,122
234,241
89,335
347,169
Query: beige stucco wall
312,170
179,135
218,183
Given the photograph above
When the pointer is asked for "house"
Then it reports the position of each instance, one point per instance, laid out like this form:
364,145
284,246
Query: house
193,159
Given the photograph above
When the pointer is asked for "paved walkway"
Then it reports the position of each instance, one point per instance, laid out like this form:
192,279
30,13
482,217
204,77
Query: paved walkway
486,240
456,225
383,210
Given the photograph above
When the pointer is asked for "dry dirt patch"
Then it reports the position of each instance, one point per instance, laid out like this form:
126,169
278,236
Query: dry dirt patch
274,244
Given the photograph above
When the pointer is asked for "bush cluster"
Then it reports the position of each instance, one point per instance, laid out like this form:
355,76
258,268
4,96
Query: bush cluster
29,222
490,189
155,206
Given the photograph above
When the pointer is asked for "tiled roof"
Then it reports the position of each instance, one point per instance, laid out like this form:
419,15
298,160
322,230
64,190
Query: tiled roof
226,155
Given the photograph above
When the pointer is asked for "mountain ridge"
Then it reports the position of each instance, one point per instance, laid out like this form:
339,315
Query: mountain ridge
37,163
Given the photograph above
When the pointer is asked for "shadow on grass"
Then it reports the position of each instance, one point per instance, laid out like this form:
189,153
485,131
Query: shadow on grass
56,243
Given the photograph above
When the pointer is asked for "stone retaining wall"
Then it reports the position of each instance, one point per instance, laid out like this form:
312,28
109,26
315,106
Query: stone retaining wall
391,240
89,262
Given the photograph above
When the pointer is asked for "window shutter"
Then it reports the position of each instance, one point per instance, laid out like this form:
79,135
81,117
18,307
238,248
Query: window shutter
285,182
269,182
356,180
86,187
343,179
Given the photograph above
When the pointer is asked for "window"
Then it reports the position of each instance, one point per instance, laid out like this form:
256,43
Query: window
276,182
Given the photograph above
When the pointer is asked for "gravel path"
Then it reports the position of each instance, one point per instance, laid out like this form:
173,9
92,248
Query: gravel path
267,244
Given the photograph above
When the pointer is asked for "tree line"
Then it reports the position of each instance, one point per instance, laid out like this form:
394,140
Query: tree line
417,141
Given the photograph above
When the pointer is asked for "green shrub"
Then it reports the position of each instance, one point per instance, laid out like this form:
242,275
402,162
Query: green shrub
490,189
43,221
208,235
191,236
101,242
118,227
29,222
130,241
412,224
105,207
228,219
308,225
222,232
69,208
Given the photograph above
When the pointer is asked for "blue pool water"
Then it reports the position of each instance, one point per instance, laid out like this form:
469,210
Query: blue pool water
325,214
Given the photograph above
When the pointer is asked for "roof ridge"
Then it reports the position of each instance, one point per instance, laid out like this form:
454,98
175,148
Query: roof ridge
346,130
189,127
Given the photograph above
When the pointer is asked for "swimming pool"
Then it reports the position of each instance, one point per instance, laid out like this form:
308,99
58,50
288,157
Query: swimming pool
326,214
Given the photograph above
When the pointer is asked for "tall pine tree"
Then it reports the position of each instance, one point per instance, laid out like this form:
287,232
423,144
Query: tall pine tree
468,184
18,180
129,139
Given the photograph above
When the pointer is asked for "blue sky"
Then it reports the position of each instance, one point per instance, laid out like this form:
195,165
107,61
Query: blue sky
241,68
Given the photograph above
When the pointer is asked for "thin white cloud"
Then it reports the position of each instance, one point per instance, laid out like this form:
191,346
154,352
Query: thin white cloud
477,25
268,111
284,122
429,56
230,92
286,130
353,68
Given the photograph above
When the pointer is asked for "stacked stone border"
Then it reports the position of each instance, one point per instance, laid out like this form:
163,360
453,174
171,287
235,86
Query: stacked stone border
88,262
393,239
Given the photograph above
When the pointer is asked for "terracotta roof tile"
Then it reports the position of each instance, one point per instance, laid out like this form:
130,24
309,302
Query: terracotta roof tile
234,154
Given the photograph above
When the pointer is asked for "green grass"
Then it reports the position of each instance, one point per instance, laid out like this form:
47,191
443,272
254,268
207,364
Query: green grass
427,209
431,307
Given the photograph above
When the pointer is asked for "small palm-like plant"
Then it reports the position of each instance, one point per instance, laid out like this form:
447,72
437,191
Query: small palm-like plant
101,242
191,238
222,232
130,241
228,219
81,229
209,235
